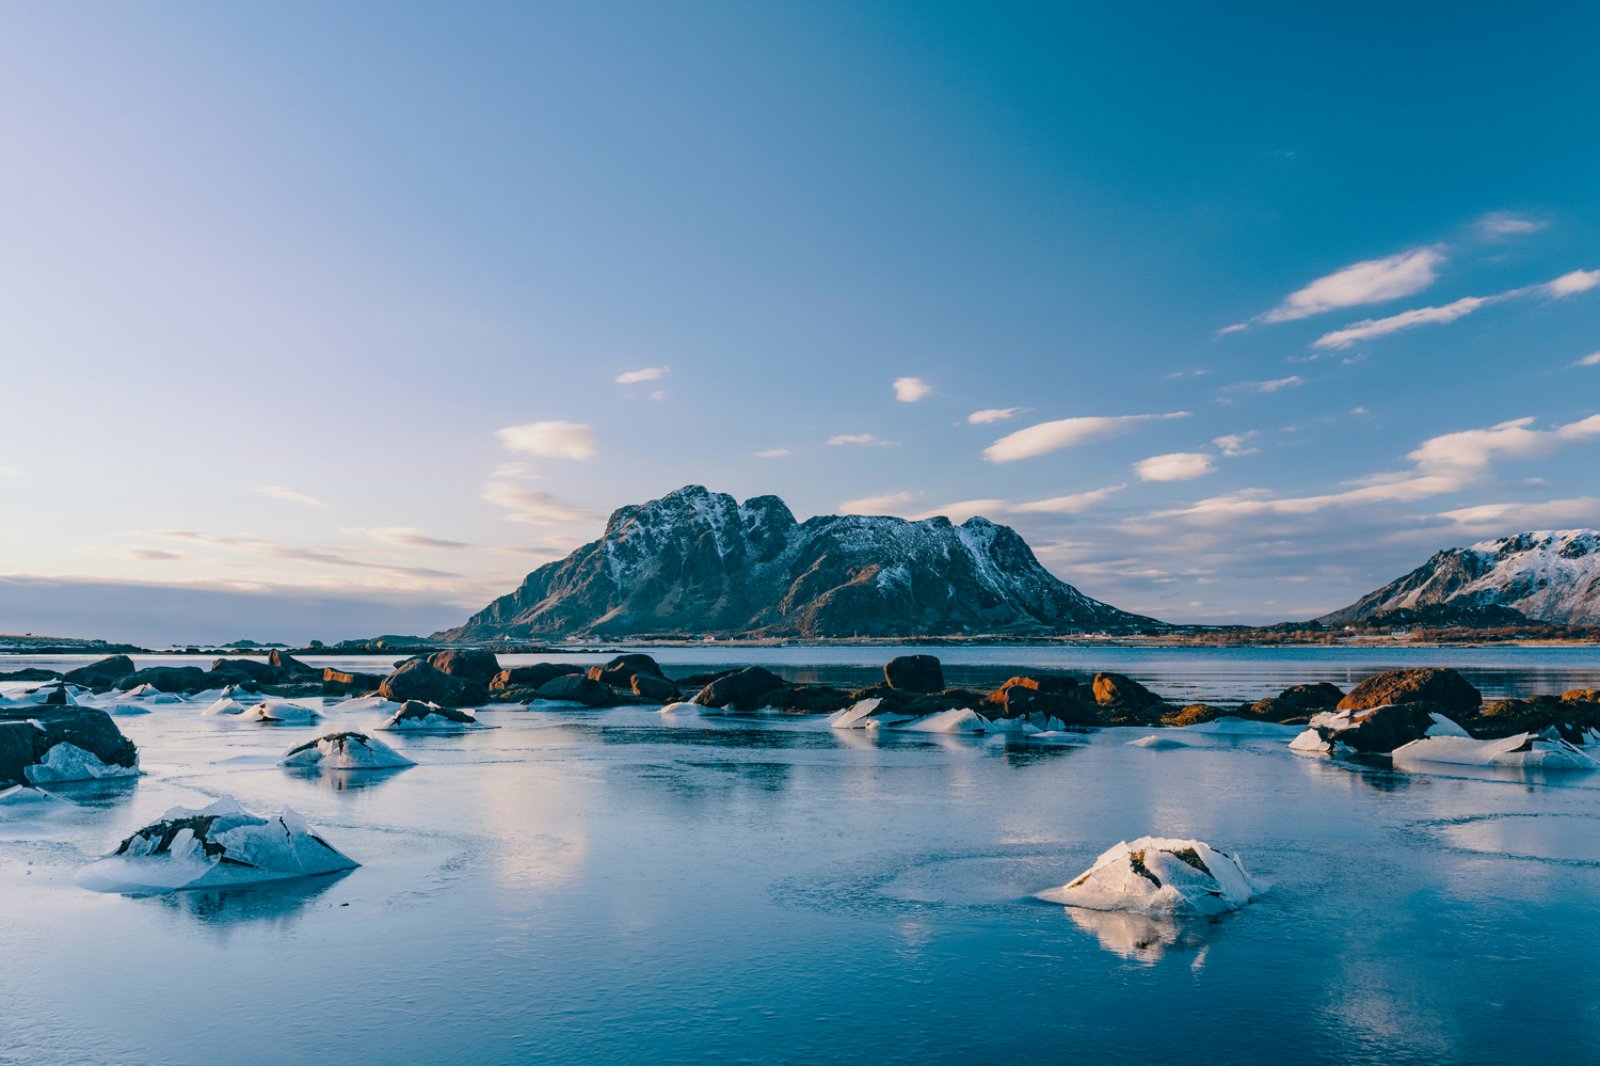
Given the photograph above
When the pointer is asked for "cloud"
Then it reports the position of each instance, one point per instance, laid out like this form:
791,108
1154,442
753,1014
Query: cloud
514,469
283,492
1234,445
774,453
857,438
1077,503
534,508
1592,359
659,394
1066,433
1502,224
550,440
267,549
995,414
1368,282
1176,466
1275,385
152,554
1517,517
1573,283
406,537
649,373
1472,451
885,503
910,390
965,509
1237,327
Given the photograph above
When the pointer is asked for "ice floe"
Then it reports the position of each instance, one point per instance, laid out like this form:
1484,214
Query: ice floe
1242,727
219,845
68,762
366,704
1160,877
283,712
345,751
223,707
1533,750
958,720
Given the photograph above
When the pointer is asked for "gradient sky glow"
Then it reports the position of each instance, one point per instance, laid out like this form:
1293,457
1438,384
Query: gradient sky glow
1234,314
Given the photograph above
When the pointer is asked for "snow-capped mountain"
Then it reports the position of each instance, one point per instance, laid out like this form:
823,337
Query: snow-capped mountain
1547,576
699,562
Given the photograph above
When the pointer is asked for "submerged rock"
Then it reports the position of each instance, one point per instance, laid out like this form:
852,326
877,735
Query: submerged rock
219,845
1160,877
345,751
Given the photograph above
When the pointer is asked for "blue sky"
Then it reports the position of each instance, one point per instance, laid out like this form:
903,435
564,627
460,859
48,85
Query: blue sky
333,301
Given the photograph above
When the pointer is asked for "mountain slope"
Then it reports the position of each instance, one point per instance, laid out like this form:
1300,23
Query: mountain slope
1547,576
698,562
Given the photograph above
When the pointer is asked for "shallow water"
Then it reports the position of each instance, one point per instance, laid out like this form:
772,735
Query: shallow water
603,886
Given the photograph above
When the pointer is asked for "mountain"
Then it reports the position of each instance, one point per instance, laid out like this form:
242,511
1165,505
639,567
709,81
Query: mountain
699,563
1544,576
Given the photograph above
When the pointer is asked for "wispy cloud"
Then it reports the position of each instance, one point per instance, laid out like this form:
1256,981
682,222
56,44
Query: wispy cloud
910,390
1368,282
649,373
406,537
1502,224
515,469
774,453
550,440
1519,516
271,550
1234,445
284,492
1572,284
1175,466
157,555
962,510
1592,359
887,503
535,508
1569,284
995,414
844,439
1067,433
1274,385
1076,503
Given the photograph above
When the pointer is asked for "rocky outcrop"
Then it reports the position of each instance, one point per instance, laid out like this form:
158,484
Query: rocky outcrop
1048,695
914,673
699,562
349,683
653,688
176,679
1453,694
743,690
102,674
1297,702
289,666
40,744
421,681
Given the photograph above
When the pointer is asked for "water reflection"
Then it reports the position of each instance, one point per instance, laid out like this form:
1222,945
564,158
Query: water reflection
103,794
278,903
345,780
1144,939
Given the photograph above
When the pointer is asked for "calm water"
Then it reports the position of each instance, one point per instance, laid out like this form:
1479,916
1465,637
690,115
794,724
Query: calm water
603,886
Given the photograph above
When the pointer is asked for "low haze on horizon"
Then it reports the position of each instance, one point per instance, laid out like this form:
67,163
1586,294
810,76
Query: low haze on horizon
338,320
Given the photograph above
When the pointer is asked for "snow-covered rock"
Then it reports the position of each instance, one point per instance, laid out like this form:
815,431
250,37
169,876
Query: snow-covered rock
345,751
1162,878
219,845
415,717
866,714
68,762
282,712
1532,750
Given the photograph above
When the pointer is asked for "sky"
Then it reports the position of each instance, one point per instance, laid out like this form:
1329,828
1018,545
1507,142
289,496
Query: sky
1235,312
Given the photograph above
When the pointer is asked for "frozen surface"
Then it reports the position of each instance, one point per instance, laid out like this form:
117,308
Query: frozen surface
1160,878
622,885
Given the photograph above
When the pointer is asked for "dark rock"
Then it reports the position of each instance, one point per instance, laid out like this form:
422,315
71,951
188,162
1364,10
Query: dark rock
638,662
901,703
1445,687
102,674
1581,695
473,664
293,690
23,743
412,710
290,665
421,681
532,676
182,679
1052,695
1296,702
700,681
808,699
1194,714
654,689
576,688
350,683
743,690
1570,718
914,673
30,674
1116,690
1382,729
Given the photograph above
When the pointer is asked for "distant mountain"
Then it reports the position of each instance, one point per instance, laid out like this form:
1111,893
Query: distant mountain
700,563
1543,576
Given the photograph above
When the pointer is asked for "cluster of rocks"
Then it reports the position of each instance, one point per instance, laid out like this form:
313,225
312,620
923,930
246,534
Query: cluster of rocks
56,741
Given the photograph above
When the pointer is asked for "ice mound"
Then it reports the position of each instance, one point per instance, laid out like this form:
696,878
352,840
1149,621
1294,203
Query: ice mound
283,712
148,693
68,762
367,703
225,706
680,708
417,717
961,720
869,714
1242,727
1161,742
1545,751
1161,878
864,714
219,845
345,751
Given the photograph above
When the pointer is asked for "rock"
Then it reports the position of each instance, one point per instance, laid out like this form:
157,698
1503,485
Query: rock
1161,878
1572,719
219,845
576,688
1046,695
1581,695
1118,691
654,689
474,664
102,674
48,744
345,751
808,699
343,683
418,717
744,690
30,674
236,671
636,662
421,681
1446,688
914,673
532,676
290,665
700,681
1297,701
1193,714
282,712
1374,730
176,679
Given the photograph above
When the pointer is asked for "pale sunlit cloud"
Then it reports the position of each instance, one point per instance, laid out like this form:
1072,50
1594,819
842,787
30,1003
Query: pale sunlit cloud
1075,503
910,390
1176,466
649,373
1067,433
1516,517
774,453
1293,381
407,537
1502,224
844,439
964,509
534,508
1370,281
1592,359
995,414
284,492
888,503
550,440
1569,284
1234,445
